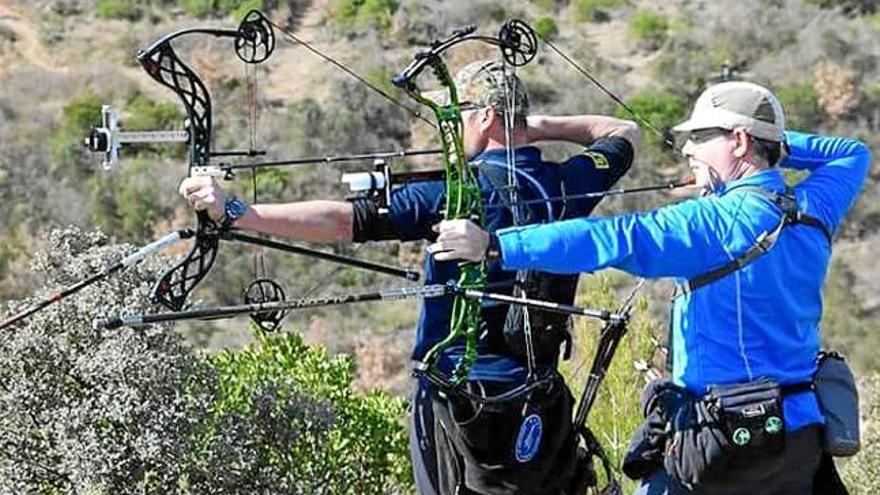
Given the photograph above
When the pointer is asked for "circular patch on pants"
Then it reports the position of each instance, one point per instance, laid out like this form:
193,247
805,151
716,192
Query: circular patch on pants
528,441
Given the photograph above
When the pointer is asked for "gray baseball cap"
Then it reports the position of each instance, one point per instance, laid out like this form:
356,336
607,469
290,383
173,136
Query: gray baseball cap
738,104
482,83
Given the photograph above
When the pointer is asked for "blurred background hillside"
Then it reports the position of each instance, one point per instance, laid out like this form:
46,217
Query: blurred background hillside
61,59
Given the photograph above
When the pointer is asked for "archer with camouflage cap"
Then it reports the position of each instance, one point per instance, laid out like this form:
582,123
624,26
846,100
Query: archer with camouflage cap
543,461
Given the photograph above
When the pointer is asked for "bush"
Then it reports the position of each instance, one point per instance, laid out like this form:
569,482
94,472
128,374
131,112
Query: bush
548,4
649,28
134,411
595,10
661,108
65,143
130,10
801,105
87,411
236,9
365,13
360,446
149,115
546,28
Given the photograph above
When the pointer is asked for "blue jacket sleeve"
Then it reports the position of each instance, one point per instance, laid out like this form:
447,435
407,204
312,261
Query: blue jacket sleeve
659,243
838,168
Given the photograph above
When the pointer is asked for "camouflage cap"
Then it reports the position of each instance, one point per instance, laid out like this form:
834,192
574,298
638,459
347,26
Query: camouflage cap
481,83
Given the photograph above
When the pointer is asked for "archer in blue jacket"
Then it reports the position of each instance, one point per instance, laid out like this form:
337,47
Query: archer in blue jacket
759,319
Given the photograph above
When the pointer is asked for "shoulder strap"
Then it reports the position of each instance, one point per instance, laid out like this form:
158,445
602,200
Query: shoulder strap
791,216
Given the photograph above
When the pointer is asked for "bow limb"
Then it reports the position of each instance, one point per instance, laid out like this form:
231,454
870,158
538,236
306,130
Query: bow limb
254,42
463,195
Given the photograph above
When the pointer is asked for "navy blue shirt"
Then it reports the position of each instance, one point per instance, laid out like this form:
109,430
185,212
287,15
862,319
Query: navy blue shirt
416,207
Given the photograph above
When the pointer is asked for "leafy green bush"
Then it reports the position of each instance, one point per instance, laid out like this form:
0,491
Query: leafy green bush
363,449
546,28
65,142
236,9
661,108
365,13
595,10
134,411
649,27
548,4
149,115
801,105
130,10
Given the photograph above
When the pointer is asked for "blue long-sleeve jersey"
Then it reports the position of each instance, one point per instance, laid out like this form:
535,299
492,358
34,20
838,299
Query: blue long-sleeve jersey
760,321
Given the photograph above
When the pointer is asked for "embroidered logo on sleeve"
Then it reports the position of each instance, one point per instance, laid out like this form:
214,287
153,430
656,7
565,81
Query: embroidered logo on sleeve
599,159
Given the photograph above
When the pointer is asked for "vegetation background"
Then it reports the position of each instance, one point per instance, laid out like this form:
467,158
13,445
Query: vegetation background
166,410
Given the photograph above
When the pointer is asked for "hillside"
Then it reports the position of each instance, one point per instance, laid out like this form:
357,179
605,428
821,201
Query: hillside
61,59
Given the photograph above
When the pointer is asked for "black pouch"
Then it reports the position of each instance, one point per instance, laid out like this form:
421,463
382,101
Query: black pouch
549,329
839,401
750,415
525,445
731,424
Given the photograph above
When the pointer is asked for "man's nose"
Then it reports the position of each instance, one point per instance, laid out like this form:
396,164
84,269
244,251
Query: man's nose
687,149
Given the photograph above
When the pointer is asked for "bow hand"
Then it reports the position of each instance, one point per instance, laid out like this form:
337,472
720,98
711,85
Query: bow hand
204,194
459,240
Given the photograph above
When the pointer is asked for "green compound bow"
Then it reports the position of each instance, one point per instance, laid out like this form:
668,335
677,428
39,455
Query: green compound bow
518,46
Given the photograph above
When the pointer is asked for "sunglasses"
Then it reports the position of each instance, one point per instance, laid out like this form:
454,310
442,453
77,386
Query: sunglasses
465,106
699,136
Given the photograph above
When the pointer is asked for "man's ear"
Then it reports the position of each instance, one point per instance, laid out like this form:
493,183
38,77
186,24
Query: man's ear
487,116
743,142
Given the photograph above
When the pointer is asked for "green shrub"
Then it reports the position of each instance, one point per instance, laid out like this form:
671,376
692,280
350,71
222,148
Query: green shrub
595,10
365,13
145,114
130,10
548,4
661,108
129,201
649,27
134,411
196,8
800,103
364,449
546,28
82,112
236,9
66,142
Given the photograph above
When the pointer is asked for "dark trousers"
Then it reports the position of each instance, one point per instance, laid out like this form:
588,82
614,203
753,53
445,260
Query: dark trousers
790,472
437,468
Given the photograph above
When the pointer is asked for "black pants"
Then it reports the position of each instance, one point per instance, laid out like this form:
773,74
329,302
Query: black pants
471,453
790,472
438,469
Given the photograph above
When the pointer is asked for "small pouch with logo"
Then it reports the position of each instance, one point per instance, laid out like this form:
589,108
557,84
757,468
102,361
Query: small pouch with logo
750,415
